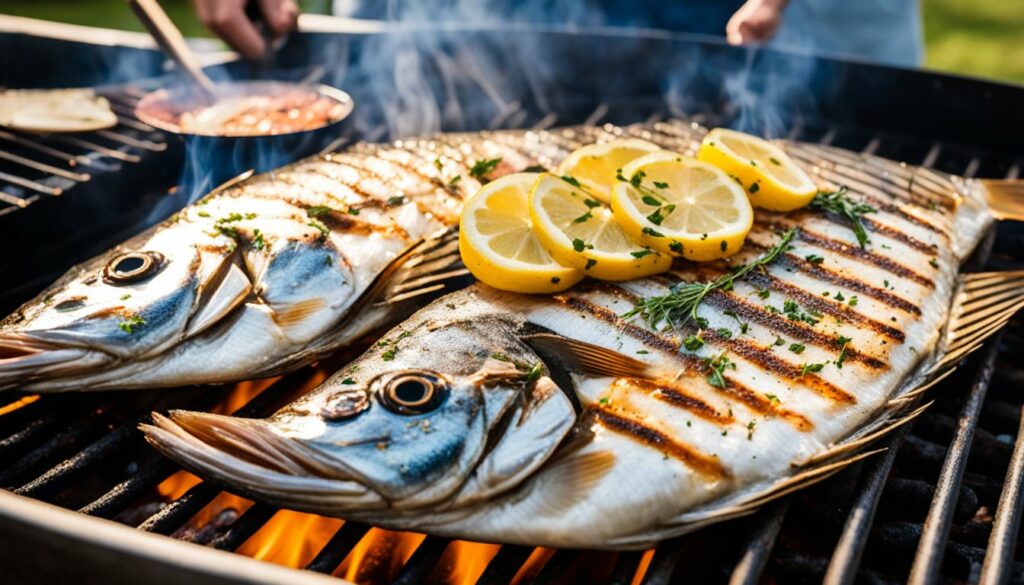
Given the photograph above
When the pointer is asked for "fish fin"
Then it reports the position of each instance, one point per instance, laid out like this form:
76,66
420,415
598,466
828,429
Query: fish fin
862,439
587,357
984,303
570,479
423,268
1005,198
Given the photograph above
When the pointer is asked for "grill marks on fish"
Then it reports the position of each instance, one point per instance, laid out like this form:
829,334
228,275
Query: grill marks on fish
854,252
673,394
788,327
825,306
692,365
763,357
835,278
704,464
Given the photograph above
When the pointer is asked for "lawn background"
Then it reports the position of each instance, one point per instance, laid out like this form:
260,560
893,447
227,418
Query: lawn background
975,37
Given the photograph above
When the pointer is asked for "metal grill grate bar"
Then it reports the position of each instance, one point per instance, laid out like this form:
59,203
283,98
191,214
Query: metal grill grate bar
242,529
759,548
999,556
338,547
423,561
931,547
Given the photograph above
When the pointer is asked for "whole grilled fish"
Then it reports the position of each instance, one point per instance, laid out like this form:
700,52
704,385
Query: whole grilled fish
269,273
591,420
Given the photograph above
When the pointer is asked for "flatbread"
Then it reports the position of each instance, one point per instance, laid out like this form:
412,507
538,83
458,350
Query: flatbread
55,110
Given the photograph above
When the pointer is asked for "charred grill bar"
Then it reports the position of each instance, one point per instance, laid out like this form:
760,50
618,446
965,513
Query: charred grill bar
943,502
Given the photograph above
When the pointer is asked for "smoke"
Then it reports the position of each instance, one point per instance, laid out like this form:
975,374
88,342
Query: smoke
448,65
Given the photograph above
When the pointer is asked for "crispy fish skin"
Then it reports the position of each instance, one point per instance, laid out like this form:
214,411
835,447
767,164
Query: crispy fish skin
257,278
617,434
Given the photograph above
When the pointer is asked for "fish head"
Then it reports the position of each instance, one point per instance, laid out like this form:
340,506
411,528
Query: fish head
132,302
433,415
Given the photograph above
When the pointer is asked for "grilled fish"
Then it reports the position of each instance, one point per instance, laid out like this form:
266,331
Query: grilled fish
262,275
574,421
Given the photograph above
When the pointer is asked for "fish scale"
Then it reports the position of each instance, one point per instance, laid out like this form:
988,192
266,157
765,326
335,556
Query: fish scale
674,425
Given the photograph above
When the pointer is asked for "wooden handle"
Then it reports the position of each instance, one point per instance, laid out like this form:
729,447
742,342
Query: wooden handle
169,38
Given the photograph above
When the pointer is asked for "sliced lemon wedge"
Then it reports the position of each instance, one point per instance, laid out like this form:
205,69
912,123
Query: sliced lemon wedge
580,231
497,241
682,206
772,180
595,165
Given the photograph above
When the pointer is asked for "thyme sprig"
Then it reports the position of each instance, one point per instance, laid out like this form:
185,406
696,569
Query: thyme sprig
681,303
841,204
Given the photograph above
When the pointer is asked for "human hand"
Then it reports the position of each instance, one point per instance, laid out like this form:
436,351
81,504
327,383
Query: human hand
227,20
755,22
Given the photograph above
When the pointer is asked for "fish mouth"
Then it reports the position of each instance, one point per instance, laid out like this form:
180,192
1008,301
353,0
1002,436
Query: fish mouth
25,359
248,457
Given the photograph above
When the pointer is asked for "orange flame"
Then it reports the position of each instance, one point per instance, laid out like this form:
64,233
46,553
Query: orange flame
18,404
464,562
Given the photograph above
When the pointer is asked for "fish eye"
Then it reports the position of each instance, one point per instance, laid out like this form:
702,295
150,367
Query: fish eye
413,392
132,267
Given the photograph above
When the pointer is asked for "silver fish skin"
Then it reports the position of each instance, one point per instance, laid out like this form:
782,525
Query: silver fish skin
261,276
557,421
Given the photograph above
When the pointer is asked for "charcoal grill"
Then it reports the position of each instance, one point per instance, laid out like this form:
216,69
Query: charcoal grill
941,504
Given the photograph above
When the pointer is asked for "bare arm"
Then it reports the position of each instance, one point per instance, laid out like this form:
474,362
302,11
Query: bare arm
756,21
227,20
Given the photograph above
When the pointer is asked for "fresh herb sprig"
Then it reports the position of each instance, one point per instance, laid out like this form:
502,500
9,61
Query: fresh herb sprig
681,303
841,204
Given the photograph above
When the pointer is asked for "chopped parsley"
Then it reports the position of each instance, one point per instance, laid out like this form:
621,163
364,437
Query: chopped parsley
693,342
640,253
318,210
131,323
792,310
396,200
841,204
653,233
779,341
324,232
717,366
454,180
796,348
126,296
348,381
676,247
743,326
482,168
815,259
681,303
257,240
763,293
726,333
590,264
754,187
660,185
586,216
853,301
555,280
843,342
579,245
775,161
934,262
810,368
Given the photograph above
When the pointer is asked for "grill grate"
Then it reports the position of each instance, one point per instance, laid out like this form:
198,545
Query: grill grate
933,491
35,166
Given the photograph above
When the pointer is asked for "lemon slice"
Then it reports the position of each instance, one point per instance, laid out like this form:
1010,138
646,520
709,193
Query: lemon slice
498,245
580,231
682,206
772,180
595,165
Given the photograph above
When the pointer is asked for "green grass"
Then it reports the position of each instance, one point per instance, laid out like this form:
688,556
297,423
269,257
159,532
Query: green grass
975,37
